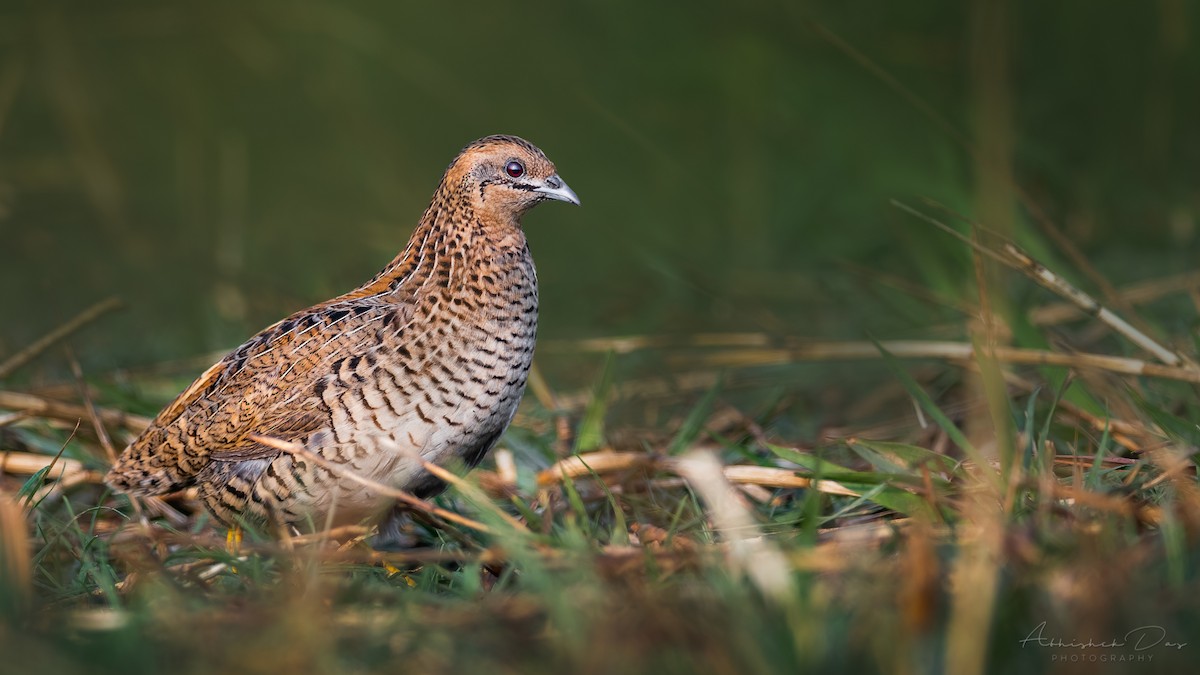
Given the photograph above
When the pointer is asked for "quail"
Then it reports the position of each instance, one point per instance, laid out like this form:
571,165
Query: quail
427,361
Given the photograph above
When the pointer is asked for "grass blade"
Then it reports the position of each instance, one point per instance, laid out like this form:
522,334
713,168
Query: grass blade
694,424
956,435
591,428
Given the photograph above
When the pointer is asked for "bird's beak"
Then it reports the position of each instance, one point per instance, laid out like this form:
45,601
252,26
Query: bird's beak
557,188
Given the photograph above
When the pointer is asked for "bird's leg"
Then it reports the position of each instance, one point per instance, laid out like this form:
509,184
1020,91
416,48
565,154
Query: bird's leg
233,540
394,534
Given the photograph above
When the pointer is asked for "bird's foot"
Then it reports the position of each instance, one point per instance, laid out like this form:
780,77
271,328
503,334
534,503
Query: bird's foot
233,540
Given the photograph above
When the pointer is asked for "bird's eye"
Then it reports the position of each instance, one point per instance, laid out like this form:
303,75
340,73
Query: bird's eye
514,169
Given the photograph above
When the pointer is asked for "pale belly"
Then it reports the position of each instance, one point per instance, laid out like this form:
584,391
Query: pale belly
384,434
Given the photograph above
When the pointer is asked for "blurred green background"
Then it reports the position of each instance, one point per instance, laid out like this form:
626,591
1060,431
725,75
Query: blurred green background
220,164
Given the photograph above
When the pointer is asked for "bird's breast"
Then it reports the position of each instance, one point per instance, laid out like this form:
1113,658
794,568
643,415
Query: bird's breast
447,384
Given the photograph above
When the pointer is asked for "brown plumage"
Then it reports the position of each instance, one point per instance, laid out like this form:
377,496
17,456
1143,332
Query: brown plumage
427,361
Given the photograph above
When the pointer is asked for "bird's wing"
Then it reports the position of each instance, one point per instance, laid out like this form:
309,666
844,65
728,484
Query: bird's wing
269,386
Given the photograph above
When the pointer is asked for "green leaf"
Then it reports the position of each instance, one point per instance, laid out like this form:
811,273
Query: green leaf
895,499
590,435
897,457
531,517
694,424
823,468
877,488
576,503
810,462
35,481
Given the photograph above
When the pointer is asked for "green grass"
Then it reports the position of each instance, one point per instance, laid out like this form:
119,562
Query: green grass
947,555
736,162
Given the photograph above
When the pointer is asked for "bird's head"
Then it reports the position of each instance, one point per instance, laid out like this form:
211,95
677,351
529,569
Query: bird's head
502,177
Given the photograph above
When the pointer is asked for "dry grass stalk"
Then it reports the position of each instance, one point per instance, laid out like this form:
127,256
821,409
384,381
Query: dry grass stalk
749,552
12,363
474,493
1135,294
506,467
1089,460
97,425
1048,279
1012,256
974,580
12,418
606,461
600,462
63,473
379,488
98,619
767,476
38,406
1132,436
16,571
634,343
29,463
55,489
756,349
541,389
951,351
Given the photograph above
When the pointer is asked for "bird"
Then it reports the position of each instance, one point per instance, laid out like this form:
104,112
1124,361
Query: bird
426,362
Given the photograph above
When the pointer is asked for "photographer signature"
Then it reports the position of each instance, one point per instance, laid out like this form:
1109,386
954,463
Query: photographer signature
1140,639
